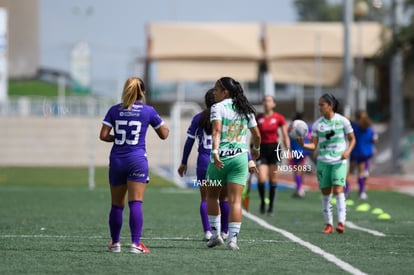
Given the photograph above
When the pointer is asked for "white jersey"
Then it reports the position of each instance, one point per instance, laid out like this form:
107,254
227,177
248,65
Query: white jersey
332,139
233,140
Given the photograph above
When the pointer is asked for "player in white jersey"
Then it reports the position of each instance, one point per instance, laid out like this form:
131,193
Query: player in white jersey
330,134
231,117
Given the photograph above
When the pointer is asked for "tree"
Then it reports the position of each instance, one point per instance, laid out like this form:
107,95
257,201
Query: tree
406,38
324,11
318,10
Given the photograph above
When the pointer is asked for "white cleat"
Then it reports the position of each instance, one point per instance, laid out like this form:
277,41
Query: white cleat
139,249
116,247
232,246
224,235
207,236
301,193
363,196
215,241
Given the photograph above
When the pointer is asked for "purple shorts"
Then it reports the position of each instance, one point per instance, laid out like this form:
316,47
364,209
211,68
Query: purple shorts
201,174
295,161
202,164
132,168
360,159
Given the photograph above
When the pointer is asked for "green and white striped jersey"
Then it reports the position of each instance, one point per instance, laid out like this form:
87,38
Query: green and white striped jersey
233,139
332,138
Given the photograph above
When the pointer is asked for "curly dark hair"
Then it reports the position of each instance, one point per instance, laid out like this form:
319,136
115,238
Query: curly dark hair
240,101
205,116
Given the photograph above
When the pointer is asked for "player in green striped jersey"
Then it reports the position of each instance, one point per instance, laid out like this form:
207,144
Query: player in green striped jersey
231,117
334,137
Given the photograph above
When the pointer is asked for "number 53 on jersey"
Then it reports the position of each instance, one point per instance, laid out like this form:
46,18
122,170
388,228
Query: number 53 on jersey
128,131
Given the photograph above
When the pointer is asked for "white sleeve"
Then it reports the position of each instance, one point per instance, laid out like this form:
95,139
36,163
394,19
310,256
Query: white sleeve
347,126
315,128
252,121
215,113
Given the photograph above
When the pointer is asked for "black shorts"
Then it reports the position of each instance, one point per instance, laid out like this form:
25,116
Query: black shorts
268,154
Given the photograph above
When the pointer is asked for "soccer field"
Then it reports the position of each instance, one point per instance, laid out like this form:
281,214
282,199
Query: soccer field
62,228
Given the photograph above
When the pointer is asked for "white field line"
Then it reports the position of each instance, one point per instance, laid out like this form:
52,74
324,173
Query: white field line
409,190
370,231
39,236
315,249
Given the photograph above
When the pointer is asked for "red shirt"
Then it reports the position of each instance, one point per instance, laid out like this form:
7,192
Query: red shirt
269,125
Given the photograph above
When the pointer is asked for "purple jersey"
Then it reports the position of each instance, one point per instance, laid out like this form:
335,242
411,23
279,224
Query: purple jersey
130,127
364,147
196,131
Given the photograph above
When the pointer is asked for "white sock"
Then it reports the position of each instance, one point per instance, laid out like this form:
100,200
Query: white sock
234,229
215,224
327,209
341,207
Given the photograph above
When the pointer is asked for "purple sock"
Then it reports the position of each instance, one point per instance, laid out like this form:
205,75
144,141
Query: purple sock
367,165
361,182
115,222
204,216
346,189
225,210
136,220
298,180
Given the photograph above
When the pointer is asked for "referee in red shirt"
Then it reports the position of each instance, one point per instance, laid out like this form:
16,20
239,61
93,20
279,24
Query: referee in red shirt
269,123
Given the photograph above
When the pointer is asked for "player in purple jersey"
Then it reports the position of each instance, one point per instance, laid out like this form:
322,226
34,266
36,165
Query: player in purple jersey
200,128
364,149
299,158
128,164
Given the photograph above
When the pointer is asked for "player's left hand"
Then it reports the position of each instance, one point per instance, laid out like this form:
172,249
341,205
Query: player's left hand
253,170
252,167
255,154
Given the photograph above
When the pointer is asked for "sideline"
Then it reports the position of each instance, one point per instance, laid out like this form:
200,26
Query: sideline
40,236
370,231
315,249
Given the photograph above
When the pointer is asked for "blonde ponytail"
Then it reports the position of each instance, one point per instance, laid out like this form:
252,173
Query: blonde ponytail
134,90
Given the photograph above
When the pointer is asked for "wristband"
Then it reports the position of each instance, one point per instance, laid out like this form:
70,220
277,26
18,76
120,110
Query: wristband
252,164
215,151
256,148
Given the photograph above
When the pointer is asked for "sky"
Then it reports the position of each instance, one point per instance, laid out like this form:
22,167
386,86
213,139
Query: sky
115,30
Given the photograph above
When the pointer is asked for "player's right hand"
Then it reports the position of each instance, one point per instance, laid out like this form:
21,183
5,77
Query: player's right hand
182,170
